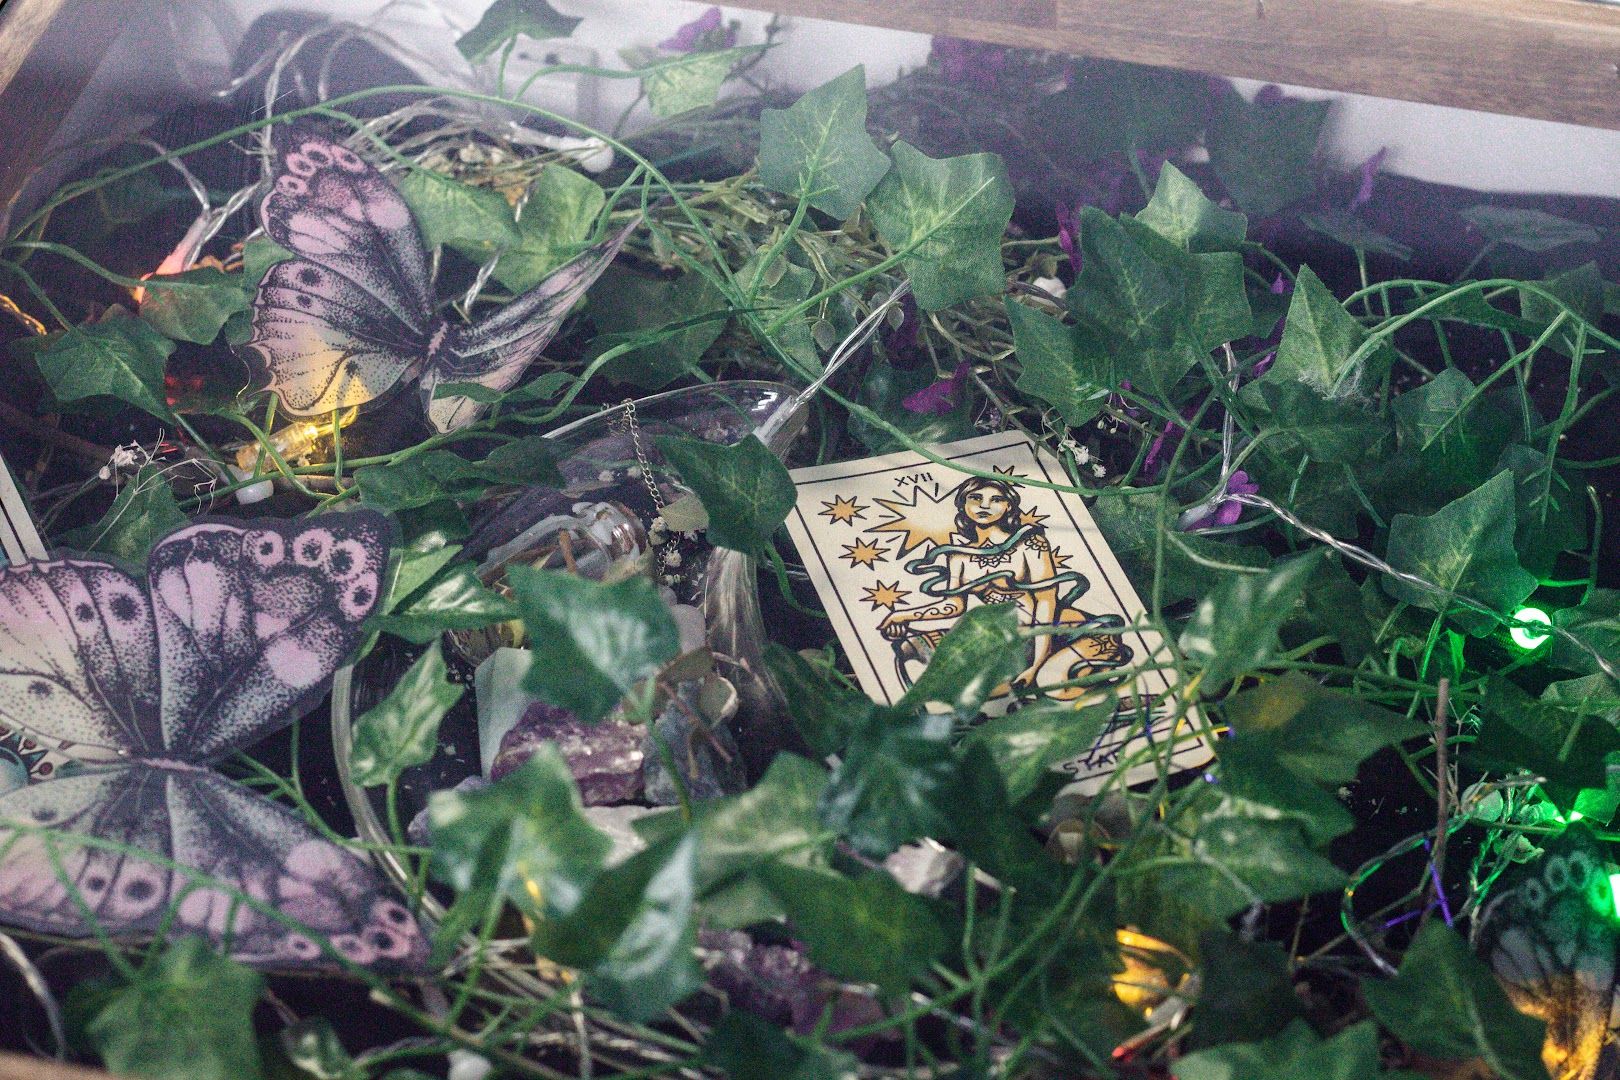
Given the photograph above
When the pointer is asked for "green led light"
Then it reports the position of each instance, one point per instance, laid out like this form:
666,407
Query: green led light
1523,636
1614,890
1574,816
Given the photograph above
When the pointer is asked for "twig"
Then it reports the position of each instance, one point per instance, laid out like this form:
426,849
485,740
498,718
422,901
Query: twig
93,453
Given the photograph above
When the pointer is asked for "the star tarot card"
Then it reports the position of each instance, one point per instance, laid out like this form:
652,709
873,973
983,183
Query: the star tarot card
899,548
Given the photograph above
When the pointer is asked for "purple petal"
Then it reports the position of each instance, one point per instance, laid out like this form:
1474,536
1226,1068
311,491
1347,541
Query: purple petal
1068,222
939,398
694,33
1269,95
1281,286
1228,513
1369,171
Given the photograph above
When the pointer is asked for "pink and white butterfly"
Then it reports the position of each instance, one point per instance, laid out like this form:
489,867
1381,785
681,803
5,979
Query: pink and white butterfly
234,633
352,315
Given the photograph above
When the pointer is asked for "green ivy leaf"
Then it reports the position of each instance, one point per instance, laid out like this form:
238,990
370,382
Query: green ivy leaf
865,929
948,216
1318,341
1130,523
1445,1002
896,781
1256,782
1181,214
632,932
822,709
1050,369
1529,230
557,221
680,317
1595,622
189,1014
120,356
525,836
818,149
402,730
258,255
1238,861
746,1047
1314,732
975,657
744,488
1582,289
193,306
440,474
679,84
1298,1053
455,600
1245,991
475,222
1354,233
1264,154
1520,732
1028,744
1449,438
1465,548
1234,628
592,643
143,511
505,20
1111,107
1551,513
1295,419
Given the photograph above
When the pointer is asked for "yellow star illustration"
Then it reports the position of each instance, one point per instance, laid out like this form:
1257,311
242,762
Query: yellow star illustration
842,510
926,519
1032,517
864,553
1059,560
885,596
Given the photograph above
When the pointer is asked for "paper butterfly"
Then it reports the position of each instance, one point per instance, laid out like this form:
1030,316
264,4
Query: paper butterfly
352,315
235,633
1549,932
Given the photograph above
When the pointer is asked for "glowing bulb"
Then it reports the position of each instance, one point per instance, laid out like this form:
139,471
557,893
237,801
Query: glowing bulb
1525,637
1614,891
1574,816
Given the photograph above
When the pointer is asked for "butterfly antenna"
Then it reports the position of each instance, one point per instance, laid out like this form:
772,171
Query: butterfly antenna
847,348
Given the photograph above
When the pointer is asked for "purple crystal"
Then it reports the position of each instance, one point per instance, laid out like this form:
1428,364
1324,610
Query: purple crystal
605,758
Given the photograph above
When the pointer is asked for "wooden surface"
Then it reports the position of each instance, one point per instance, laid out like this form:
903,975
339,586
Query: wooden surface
1548,59
17,1067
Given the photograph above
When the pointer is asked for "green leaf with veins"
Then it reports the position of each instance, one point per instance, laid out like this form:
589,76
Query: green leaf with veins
744,488
195,305
592,643
1318,341
557,220
120,357
1530,230
1235,861
1518,731
1298,1053
1180,212
1049,368
823,710
455,600
1246,991
687,313
505,20
1596,623
948,216
1234,628
632,932
258,255
472,221
1466,549
1193,564
818,149
1295,419
143,512
1028,744
1354,233
525,836
676,84
1264,153
1257,782
976,656
897,781
865,929
1314,732
402,730
188,1014
1551,511
1445,1002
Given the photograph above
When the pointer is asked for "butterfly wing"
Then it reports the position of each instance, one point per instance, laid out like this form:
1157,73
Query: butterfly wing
495,352
79,658
215,844
343,322
1549,935
252,620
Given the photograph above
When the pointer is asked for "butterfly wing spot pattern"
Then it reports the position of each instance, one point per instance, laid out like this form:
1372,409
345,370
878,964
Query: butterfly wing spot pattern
235,633
1551,936
350,317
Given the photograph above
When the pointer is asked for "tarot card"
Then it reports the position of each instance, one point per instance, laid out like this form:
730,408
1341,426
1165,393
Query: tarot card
899,548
